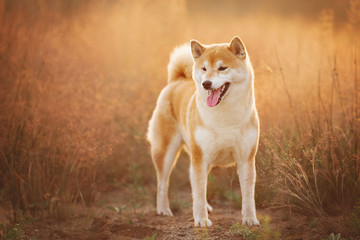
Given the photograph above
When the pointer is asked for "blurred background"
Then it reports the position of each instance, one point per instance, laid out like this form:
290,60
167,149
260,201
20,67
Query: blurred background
79,80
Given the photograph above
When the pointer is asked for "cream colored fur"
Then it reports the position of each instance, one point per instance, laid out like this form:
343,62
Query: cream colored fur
221,135
181,64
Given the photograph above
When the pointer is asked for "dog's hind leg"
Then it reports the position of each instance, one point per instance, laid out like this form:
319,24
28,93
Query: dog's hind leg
209,207
164,158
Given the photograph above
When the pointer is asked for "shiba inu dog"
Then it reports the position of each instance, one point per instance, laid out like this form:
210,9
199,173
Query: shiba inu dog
207,108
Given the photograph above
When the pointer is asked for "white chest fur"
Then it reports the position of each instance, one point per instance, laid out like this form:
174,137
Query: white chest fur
226,145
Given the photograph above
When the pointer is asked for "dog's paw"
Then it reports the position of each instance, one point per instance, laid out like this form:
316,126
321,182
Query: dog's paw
165,211
251,221
209,207
203,222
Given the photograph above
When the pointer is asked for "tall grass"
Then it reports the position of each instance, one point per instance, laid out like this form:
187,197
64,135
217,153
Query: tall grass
316,169
79,82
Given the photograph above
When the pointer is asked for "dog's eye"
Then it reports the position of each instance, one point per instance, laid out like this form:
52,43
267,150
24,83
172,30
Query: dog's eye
203,68
221,68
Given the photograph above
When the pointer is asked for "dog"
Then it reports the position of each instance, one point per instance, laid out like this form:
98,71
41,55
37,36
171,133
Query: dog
207,108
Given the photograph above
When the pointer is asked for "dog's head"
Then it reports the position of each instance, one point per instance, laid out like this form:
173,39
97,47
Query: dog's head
220,67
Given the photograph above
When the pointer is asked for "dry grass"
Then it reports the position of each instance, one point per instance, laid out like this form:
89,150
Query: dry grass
79,80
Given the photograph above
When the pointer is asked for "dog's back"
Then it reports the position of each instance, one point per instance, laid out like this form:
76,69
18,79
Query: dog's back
174,98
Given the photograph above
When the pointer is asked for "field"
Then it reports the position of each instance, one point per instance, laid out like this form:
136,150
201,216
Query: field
78,83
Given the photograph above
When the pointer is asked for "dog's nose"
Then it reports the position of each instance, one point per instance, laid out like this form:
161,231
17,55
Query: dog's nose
207,85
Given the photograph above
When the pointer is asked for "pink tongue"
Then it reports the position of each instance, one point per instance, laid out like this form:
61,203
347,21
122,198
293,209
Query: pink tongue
213,98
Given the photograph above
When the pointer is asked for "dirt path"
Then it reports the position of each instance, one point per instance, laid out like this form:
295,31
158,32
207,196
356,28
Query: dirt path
181,227
139,222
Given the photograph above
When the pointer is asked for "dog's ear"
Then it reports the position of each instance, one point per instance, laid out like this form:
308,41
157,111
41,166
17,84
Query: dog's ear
237,47
196,49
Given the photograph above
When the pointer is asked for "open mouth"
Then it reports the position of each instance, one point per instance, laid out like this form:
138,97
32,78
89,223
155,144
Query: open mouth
215,96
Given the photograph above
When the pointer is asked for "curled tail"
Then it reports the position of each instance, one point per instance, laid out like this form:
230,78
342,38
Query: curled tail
181,64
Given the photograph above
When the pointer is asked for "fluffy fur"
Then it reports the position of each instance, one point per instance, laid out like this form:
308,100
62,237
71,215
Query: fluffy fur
207,108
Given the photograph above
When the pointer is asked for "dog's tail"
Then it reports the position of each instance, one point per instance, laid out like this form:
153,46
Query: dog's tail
181,64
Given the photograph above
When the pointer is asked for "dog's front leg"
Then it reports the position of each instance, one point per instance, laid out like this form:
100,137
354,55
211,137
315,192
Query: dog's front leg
247,175
198,177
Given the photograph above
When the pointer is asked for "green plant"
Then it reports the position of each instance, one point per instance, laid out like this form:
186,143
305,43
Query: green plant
118,210
15,231
313,223
332,236
135,177
176,205
152,237
245,232
355,217
233,197
264,232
